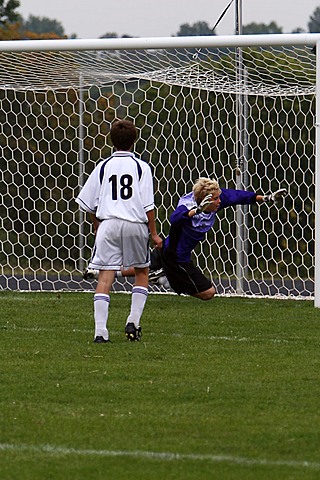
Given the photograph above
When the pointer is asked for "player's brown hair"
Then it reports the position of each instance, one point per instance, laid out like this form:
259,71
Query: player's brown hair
203,187
123,134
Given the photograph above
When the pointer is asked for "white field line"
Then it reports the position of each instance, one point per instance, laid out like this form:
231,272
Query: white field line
165,456
210,337
14,326
228,294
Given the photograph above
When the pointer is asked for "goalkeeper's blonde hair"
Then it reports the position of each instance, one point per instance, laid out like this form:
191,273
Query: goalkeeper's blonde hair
203,187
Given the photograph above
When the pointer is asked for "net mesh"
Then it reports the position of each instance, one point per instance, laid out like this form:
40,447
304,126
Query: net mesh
244,116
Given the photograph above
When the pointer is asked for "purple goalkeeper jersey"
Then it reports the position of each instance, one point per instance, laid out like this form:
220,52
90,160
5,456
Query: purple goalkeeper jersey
185,232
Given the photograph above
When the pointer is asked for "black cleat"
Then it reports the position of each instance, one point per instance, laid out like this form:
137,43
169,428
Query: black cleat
90,274
154,275
133,334
101,340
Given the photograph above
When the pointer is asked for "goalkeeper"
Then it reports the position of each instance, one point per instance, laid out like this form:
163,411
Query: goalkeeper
191,220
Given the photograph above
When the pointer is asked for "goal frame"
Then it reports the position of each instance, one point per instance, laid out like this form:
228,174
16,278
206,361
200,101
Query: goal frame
312,40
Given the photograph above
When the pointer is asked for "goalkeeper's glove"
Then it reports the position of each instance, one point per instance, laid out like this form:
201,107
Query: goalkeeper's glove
205,202
276,196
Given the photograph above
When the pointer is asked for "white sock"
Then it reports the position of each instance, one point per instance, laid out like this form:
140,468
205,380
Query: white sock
101,308
138,300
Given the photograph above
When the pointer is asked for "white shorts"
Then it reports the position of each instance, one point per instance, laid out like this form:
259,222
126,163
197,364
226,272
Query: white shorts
120,243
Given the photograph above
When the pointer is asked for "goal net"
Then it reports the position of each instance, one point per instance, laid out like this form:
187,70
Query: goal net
244,115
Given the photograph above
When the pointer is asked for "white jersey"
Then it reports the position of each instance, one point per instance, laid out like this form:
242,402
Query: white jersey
119,187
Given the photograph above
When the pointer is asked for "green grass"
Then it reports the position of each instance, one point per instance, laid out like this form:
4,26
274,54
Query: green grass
226,389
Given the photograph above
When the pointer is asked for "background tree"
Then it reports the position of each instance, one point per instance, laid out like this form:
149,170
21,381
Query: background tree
198,28
41,25
254,28
115,35
298,30
12,31
109,35
314,22
8,12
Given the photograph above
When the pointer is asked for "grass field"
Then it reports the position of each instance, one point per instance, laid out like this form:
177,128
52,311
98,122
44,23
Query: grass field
227,389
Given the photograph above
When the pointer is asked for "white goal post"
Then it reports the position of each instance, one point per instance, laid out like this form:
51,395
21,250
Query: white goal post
243,109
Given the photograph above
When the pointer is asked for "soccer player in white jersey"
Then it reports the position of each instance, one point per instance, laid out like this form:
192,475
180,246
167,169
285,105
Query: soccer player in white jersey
120,199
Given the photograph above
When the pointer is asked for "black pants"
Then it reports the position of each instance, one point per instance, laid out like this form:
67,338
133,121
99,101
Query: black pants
184,277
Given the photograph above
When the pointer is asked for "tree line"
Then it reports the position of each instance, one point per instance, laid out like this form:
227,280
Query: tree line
14,27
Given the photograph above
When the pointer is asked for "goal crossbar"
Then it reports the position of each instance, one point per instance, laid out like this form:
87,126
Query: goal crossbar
159,42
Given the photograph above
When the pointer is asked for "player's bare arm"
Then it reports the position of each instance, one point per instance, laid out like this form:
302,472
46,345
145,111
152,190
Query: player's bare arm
157,241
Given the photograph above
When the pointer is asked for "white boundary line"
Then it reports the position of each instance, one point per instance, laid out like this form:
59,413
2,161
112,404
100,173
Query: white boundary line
165,456
228,294
14,327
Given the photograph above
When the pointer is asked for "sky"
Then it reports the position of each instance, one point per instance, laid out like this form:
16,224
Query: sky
154,18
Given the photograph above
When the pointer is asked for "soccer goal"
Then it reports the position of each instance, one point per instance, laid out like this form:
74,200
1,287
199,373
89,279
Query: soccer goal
241,109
